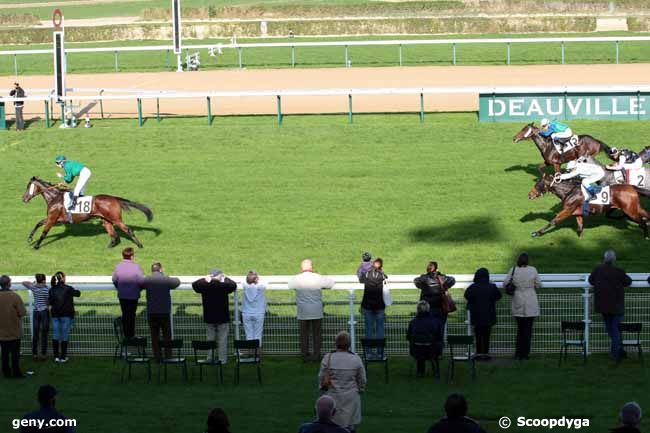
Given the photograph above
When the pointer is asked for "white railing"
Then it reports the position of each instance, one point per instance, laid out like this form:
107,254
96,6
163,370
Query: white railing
343,312
454,43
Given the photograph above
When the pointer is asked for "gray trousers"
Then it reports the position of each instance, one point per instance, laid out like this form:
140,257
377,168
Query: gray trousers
219,332
20,122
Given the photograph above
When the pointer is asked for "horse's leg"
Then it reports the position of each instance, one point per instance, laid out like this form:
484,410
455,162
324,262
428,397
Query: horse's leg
580,220
49,223
33,232
564,214
108,226
126,229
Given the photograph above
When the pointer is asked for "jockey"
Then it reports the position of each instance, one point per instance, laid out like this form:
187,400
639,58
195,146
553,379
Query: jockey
626,159
557,131
73,169
590,174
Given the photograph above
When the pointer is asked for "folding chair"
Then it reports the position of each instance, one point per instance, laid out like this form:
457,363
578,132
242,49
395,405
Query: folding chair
249,358
635,328
176,358
211,360
118,331
427,344
577,329
139,344
455,341
376,345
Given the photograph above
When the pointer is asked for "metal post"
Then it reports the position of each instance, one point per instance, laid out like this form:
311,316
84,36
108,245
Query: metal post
350,108
16,65
209,112
139,111
158,109
454,53
586,296
421,107
293,57
239,52
562,52
347,60
468,321
236,321
400,55
101,104
171,315
352,322
167,60
617,52
116,66
30,309
279,110
47,113
508,59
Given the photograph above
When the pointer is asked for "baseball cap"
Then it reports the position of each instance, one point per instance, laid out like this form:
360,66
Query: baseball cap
215,272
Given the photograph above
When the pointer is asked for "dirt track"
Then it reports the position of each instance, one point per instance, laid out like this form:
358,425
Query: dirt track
329,78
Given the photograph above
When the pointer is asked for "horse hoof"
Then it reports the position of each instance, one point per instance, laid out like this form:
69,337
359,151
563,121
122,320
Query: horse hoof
36,247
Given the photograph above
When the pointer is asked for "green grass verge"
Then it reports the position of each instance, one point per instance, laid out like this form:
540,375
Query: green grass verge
247,193
308,57
91,393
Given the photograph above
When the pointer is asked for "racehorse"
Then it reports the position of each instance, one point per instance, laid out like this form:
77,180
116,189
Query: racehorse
106,207
641,181
587,145
623,197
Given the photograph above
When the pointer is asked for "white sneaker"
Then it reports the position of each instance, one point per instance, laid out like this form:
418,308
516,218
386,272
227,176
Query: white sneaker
57,360
63,360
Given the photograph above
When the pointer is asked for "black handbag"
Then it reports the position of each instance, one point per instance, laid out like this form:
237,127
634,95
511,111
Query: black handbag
510,287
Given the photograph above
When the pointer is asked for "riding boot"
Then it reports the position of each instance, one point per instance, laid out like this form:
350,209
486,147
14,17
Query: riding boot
64,350
55,348
73,202
585,205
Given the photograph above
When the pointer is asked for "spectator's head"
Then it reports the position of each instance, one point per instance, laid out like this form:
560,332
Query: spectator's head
16,85
58,278
5,282
128,253
218,421
46,396
252,277
307,266
156,267
216,273
432,267
631,414
522,260
378,263
40,278
609,257
343,341
423,308
366,257
325,408
482,276
456,406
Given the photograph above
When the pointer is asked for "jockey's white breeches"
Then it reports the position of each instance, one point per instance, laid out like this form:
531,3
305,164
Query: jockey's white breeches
84,177
566,134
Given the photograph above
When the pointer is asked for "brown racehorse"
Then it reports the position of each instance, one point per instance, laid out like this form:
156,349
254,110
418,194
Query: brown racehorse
623,197
587,145
106,207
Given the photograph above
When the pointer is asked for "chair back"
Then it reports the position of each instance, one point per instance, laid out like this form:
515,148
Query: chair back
139,344
631,327
572,326
247,345
372,343
118,329
204,346
459,341
175,345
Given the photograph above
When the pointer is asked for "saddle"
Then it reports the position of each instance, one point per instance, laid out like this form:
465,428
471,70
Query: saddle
565,144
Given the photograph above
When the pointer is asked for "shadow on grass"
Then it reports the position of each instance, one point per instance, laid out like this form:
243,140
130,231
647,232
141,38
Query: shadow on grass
531,169
94,230
464,230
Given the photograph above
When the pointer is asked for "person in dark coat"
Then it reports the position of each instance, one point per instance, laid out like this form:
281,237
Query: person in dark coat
430,290
214,290
372,304
18,92
482,297
630,418
47,413
456,420
424,328
62,303
325,410
218,421
159,306
609,284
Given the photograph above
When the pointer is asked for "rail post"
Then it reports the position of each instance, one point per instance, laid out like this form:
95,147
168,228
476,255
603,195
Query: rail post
453,53
167,65
209,112
239,54
562,44
140,112
47,113
171,315
279,110
158,109
116,66
347,57
16,65
508,54
352,323
421,107
236,320
350,108
293,56
586,297
617,52
101,104
400,55
30,310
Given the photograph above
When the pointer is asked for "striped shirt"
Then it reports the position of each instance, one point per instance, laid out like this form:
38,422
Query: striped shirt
41,294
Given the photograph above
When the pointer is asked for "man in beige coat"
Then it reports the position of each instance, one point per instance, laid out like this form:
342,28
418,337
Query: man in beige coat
12,310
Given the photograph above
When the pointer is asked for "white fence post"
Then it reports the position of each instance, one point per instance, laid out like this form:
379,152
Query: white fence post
171,315
586,296
236,322
352,322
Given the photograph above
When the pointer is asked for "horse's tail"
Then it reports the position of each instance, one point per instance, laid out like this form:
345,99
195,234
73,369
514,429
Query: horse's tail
642,191
603,147
128,205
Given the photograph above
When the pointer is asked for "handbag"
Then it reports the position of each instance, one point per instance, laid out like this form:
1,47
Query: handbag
447,304
385,293
326,379
510,287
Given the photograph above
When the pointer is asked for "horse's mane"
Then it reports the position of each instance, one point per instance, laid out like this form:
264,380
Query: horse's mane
46,184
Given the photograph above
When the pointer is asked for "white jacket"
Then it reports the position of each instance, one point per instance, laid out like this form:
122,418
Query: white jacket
582,169
254,299
309,298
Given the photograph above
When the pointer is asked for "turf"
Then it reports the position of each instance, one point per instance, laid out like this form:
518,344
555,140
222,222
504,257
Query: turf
247,193
91,393
310,57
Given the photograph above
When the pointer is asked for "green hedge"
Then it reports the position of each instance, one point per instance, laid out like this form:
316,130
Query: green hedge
18,19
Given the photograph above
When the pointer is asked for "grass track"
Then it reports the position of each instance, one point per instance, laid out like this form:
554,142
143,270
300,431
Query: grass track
247,193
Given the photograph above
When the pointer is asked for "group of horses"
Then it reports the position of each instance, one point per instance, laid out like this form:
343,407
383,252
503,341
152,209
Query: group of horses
623,196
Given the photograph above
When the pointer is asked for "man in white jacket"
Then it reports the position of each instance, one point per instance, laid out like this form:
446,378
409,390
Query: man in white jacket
309,300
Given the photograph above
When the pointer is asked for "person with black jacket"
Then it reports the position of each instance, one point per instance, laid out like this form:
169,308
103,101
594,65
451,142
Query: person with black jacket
62,312
214,290
372,304
430,290
425,337
456,420
18,92
482,297
630,417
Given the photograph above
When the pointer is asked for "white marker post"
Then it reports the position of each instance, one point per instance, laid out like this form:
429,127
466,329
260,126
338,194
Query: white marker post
59,61
176,33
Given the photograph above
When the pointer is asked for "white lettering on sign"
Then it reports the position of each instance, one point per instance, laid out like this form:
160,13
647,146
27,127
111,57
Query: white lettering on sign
574,106
599,111
535,108
516,107
615,110
560,107
502,107
635,106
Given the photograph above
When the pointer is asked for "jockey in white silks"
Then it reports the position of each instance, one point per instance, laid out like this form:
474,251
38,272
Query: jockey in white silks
590,174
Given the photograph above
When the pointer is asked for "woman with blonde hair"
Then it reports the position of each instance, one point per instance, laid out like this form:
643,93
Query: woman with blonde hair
254,306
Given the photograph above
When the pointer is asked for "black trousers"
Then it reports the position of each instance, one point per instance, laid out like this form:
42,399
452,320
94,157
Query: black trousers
20,122
524,336
160,323
129,307
10,358
482,334
41,323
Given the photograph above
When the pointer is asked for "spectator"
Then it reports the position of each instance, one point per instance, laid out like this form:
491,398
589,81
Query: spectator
372,304
62,302
430,290
365,266
18,92
343,377
325,411
609,284
309,300
159,307
12,311
127,279
482,297
254,306
47,413
218,421
214,290
456,419
425,327
630,418
525,306
40,315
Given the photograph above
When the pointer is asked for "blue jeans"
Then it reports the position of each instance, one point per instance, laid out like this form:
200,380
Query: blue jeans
61,328
374,324
612,322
